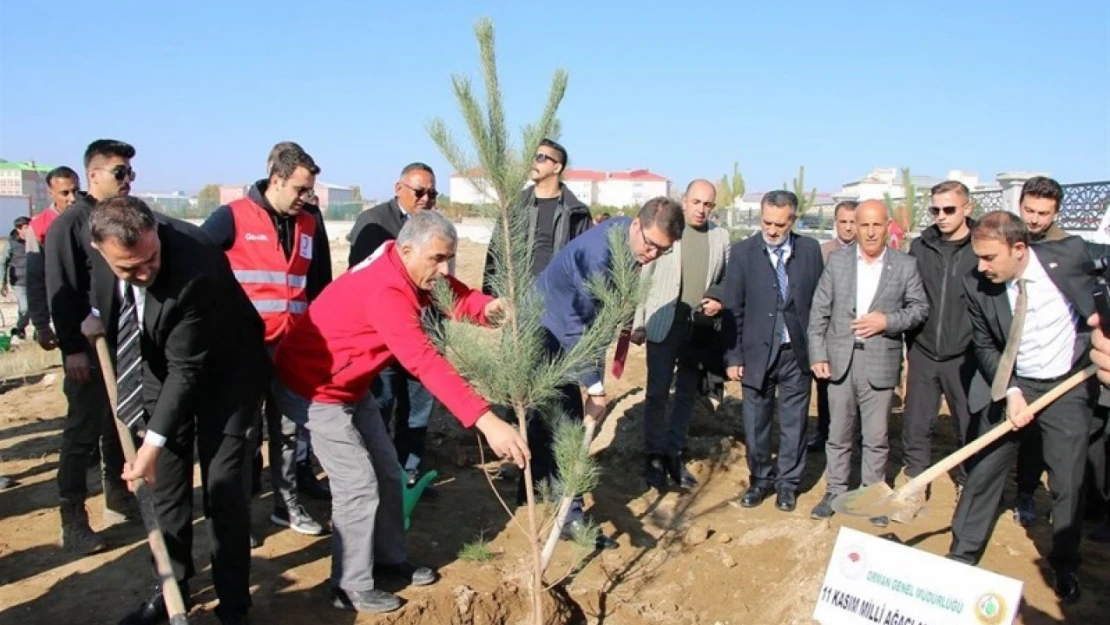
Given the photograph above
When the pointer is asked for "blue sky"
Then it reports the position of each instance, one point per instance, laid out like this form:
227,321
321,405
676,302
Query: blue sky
683,89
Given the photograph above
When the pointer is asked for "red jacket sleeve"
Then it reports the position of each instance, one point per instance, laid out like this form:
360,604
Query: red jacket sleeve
470,304
399,328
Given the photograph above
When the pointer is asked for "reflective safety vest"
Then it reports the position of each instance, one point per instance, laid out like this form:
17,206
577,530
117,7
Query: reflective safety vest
275,286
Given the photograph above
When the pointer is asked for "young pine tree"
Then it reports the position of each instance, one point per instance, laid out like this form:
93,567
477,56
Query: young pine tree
509,366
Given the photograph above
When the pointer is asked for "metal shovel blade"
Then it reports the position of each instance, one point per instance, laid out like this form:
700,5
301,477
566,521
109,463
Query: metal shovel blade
871,501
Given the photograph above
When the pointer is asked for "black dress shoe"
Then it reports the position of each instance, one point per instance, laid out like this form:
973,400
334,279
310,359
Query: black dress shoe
153,610
406,572
823,510
754,496
679,474
786,500
601,541
1066,586
374,600
655,474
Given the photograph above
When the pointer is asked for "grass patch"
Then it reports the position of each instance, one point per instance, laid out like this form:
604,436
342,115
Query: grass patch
476,551
27,359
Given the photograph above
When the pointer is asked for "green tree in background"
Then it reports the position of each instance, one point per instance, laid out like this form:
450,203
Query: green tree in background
805,201
208,199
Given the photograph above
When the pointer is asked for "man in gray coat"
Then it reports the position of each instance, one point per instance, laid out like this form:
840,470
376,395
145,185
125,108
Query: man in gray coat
868,297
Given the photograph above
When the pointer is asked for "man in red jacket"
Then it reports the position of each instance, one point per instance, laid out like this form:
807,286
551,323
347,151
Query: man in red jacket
367,319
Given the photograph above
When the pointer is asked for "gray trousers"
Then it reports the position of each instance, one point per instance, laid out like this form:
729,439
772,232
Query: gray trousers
662,359
845,396
24,318
353,446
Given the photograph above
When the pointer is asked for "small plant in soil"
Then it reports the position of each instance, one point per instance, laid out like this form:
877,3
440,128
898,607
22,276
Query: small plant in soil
509,366
476,551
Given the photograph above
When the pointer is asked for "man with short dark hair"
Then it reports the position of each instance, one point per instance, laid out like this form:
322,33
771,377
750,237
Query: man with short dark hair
402,400
68,286
1028,307
272,242
1040,205
767,345
557,215
13,271
190,371
939,360
570,307
64,187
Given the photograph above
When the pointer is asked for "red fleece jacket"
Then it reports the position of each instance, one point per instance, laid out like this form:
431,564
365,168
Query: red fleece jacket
364,321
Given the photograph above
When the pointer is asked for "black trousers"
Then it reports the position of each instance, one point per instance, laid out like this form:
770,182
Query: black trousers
928,380
1065,427
793,384
222,459
89,424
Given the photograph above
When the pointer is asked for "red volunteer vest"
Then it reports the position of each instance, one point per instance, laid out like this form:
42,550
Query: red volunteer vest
275,286
41,223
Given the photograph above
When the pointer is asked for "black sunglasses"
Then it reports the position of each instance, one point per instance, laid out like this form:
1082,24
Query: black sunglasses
122,172
540,157
948,210
420,193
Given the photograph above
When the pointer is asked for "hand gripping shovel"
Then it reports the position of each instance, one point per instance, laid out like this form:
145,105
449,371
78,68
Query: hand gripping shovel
171,593
879,500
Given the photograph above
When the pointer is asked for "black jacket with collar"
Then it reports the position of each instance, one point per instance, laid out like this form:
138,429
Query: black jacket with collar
68,257
220,226
572,218
202,340
946,333
372,228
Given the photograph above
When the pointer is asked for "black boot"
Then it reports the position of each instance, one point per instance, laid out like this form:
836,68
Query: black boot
153,610
679,474
655,472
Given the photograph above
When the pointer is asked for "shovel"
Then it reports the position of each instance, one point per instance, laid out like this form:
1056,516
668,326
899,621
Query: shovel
171,593
879,502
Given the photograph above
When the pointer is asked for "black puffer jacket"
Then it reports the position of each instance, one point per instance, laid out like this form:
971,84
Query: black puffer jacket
946,333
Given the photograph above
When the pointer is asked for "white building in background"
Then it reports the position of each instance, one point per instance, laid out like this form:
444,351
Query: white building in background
592,187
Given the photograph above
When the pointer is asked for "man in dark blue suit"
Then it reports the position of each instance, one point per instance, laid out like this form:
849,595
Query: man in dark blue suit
769,286
569,309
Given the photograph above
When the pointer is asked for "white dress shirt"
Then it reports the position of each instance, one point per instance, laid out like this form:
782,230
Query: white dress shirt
153,438
1048,336
867,280
787,250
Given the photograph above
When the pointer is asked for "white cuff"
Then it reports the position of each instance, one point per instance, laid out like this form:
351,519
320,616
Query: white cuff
1012,390
597,388
154,439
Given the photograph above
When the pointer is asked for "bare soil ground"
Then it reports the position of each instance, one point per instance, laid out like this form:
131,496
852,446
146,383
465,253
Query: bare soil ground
696,558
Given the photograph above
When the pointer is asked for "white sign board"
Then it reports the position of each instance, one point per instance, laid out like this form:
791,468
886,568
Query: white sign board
872,580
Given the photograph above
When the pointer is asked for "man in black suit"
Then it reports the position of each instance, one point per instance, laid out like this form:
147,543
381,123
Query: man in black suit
1028,309
191,368
400,397
768,347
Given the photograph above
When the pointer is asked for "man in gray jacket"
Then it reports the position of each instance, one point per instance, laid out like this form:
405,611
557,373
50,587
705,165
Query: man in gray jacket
868,297
13,270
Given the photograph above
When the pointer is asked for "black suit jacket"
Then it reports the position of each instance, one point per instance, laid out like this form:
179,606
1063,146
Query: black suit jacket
374,227
991,315
751,304
202,340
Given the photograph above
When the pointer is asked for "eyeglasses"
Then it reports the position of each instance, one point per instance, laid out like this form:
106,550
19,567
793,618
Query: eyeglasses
123,172
660,250
420,193
540,157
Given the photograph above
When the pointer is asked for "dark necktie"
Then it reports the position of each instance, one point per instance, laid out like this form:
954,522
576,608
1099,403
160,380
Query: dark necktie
129,361
784,283
1009,355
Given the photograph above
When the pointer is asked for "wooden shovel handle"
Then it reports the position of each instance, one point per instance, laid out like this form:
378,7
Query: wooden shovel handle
171,592
955,458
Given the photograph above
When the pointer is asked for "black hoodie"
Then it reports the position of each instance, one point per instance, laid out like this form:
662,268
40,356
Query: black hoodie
943,264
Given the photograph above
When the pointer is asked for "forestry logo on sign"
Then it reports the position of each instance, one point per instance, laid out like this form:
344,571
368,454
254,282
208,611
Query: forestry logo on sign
990,608
854,564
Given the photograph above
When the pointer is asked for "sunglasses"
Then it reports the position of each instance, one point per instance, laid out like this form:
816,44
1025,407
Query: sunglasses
122,172
948,210
420,193
540,157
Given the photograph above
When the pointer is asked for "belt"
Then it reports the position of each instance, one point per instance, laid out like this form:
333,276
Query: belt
858,344
1054,380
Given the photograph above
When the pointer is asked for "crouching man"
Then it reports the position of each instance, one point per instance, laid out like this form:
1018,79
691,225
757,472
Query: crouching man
366,320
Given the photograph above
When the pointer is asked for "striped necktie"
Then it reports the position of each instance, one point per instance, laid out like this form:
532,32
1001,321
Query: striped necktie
129,361
784,283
